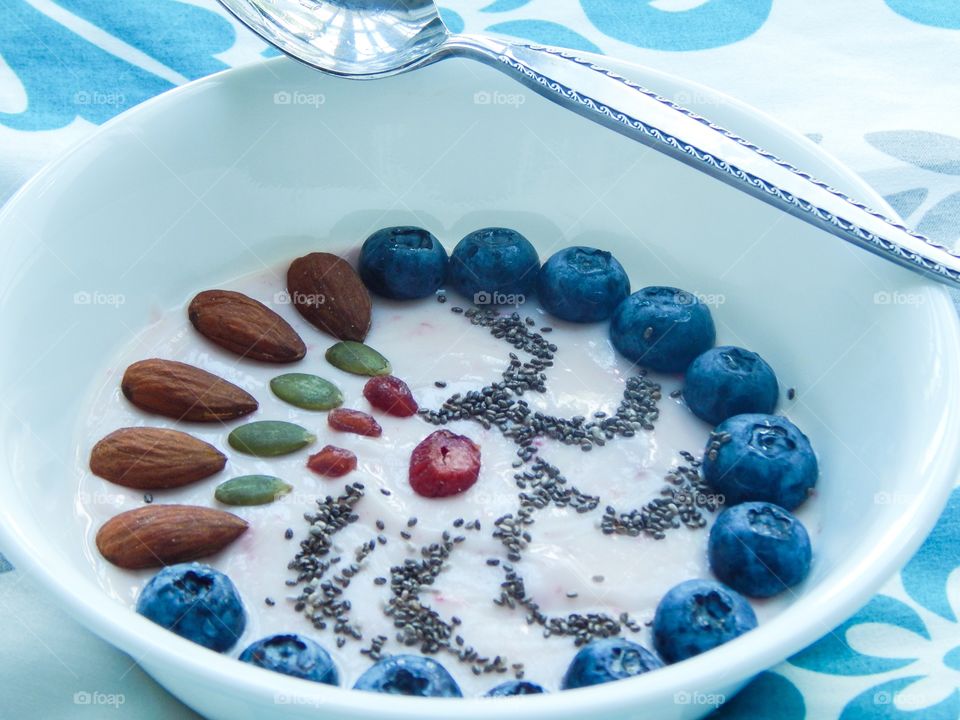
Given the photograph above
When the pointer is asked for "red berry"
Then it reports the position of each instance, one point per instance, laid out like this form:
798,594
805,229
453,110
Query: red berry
332,462
390,394
354,421
443,464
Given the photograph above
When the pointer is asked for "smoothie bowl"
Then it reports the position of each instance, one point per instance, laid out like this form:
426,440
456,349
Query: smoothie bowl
530,486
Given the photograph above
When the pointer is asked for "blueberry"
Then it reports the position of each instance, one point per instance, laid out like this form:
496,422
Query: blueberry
607,660
727,381
495,265
699,615
662,328
409,675
292,655
582,284
196,602
403,263
516,687
759,549
766,458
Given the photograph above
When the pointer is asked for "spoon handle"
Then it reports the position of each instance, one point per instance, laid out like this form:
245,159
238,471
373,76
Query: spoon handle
613,101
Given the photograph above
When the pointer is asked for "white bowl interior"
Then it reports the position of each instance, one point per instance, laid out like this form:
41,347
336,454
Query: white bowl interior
223,177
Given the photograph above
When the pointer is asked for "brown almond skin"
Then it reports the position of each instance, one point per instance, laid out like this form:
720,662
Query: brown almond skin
245,326
184,392
327,291
157,535
146,458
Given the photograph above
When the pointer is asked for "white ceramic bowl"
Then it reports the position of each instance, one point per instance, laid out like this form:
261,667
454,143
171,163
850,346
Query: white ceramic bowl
255,165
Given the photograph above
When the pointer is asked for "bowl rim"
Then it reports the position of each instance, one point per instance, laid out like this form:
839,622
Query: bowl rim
152,646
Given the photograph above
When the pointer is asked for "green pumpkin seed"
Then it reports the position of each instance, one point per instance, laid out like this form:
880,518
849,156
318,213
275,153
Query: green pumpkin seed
357,358
251,490
309,392
269,438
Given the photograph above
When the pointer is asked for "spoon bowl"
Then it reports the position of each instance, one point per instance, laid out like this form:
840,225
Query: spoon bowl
363,39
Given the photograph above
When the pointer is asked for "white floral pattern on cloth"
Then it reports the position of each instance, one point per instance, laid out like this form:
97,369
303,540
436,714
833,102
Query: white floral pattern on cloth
932,153
907,651
66,64
66,75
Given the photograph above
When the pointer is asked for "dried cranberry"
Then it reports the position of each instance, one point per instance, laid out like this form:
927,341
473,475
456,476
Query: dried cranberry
444,464
354,421
332,462
390,394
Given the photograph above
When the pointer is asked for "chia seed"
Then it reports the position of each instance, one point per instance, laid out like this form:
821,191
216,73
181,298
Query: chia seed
417,623
681,501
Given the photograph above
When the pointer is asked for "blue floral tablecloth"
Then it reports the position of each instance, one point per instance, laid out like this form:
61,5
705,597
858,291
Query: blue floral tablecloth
874,81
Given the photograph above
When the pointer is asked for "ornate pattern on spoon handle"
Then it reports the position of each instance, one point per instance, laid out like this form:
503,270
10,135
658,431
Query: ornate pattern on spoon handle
655,121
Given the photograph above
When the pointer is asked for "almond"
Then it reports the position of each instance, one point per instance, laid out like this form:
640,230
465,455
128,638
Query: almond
245,326
184,392
157,535
147,458
327,291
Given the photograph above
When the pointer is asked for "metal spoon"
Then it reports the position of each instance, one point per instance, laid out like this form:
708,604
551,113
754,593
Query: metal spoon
366,39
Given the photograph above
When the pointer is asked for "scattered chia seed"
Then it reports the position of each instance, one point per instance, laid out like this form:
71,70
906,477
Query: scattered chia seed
791,393
148,498
321,599
323,574
582,628
420,625
682,499
500,405
375,649
288,534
